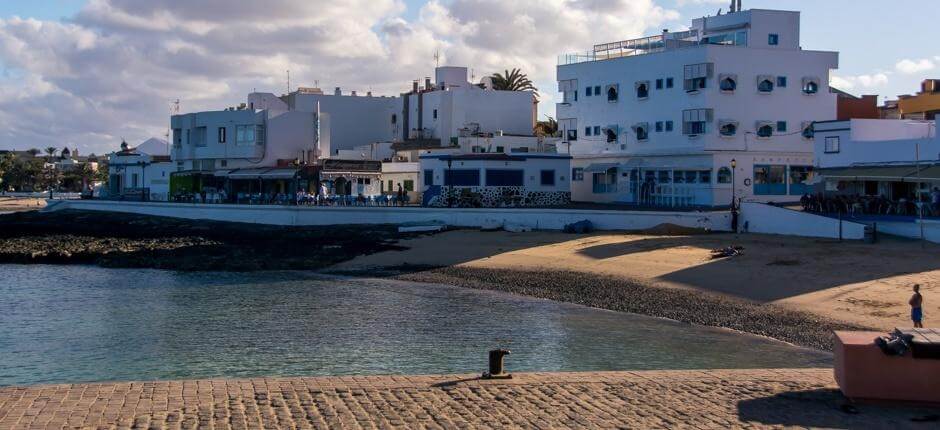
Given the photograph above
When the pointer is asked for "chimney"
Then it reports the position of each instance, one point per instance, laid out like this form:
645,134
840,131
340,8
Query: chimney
337,91
414,86
733,5
353,93
368,93
427,83
739,6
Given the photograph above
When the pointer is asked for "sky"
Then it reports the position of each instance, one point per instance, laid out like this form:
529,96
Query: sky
88,73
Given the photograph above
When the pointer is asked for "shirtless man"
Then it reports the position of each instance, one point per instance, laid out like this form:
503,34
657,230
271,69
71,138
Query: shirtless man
917,310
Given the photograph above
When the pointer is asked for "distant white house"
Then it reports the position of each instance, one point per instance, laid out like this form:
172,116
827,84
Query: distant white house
658,120
134,174
878,157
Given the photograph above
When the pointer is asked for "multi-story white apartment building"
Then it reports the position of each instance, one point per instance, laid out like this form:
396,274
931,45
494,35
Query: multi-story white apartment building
663,120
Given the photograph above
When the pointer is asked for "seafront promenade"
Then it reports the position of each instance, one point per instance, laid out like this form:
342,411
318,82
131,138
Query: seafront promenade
648,399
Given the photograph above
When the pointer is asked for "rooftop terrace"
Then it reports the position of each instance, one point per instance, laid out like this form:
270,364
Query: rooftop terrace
633,47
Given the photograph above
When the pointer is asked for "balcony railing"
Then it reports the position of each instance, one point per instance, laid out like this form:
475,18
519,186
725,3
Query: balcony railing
633,47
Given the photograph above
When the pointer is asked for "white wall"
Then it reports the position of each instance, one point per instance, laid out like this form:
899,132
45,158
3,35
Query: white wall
761,218
531,165
896,144
354,120
548,219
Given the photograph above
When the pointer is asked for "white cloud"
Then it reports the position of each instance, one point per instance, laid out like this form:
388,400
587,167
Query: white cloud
910,67
111,70
871,81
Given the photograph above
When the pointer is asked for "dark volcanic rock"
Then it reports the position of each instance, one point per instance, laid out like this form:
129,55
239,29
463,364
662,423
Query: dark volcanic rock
125,240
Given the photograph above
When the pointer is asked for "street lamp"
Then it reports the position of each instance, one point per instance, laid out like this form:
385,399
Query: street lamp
734,209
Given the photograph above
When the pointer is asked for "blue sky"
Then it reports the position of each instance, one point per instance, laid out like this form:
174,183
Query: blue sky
89,79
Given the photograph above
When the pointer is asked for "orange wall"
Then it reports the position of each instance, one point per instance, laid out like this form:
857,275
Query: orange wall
865,107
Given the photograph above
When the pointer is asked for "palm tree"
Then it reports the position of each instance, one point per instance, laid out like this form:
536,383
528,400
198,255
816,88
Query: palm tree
33,151
547,128
512,81
50,152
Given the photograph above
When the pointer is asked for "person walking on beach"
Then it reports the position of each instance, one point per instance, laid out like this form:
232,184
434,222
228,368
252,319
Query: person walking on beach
401,195
917,307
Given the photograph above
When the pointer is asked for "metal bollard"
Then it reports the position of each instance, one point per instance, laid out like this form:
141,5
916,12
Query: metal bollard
497,368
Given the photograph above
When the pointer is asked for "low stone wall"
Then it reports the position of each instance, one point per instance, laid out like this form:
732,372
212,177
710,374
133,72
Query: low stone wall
498,197
545,219
763,218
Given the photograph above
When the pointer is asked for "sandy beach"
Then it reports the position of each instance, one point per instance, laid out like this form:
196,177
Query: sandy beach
18,204
862,284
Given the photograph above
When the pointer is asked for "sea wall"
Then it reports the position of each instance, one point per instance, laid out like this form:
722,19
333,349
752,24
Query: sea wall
546,219
762,218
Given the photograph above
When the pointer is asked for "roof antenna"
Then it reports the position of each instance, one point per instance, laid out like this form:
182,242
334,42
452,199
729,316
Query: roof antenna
437,58
288,82
733,3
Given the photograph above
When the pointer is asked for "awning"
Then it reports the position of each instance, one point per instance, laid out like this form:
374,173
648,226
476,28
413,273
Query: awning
263,173
600,167
883,173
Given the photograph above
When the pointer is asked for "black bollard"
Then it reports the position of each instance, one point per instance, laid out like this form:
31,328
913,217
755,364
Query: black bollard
497,369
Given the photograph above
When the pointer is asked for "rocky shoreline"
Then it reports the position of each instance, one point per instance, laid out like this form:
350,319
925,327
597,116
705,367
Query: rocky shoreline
136,241
624,295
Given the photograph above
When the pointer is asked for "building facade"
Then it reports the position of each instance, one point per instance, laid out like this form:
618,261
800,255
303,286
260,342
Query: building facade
659,121
136,175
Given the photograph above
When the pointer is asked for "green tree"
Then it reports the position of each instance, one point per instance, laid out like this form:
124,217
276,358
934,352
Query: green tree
50,152
547,128
513,80
6,163
33,151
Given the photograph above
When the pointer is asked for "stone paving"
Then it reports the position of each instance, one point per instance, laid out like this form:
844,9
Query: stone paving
647,399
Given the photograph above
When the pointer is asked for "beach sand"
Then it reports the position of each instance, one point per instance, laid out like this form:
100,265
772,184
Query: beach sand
859,283
17,204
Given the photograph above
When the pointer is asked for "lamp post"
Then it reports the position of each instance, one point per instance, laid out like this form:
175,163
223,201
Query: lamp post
734,207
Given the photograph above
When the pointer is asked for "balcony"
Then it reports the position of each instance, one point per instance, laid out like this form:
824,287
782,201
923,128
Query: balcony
633,47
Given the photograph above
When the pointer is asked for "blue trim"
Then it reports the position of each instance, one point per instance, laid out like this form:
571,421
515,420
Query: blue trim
514,155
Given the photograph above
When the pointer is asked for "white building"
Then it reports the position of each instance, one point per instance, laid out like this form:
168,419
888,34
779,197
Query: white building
658,120
878,157
136,175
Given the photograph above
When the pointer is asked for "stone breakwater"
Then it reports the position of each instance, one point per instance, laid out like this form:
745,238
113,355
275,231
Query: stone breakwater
650,399
126,240
624,295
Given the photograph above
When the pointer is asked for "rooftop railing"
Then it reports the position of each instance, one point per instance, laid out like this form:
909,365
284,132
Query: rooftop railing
633,47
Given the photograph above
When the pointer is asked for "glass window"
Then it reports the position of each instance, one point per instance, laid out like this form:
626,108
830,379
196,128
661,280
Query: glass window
781,126
577,174
832,144
724,175
641,133
800,176
770,179
782,81
245,135
659,126
678,176
728,129
765,130
572,135
504,177
221,133
642,90
740,38
435,113
462,177
663,177
669,126
587,91
669,82
659,84
548,177
597,90
765,86
810,87
612,93
773,39
409,185
705,176
597,130
587,131
428,177
728,84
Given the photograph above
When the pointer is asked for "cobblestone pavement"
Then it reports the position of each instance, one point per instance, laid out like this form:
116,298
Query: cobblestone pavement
648,399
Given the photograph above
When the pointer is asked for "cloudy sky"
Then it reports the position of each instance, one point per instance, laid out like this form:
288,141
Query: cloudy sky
85,73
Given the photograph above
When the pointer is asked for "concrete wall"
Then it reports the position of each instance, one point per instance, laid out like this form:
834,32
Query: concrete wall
912,229
761,218
877,141
548,219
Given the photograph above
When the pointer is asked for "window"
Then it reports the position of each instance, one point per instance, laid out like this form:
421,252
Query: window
764,130
705,176
642,90
773,39
669,126
199,136
500,149
765,84
597,130
832,144
587,131
669,83
435,113
770,180
221,133
519,149
390,189
612,92
177,137
782,81
244,135
659,126
659,84
781,126
696,76
800,176
728,83
134,180
504,177
807,131
728,128
611,132
259,134
642,131
740,38
394,119
663,177
407,184
428,177
548,177
462,177
577,174
597,90
587,91
572,135
695,121
724,175
810,86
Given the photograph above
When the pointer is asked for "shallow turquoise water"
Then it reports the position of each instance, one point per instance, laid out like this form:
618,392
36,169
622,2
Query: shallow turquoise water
80,323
